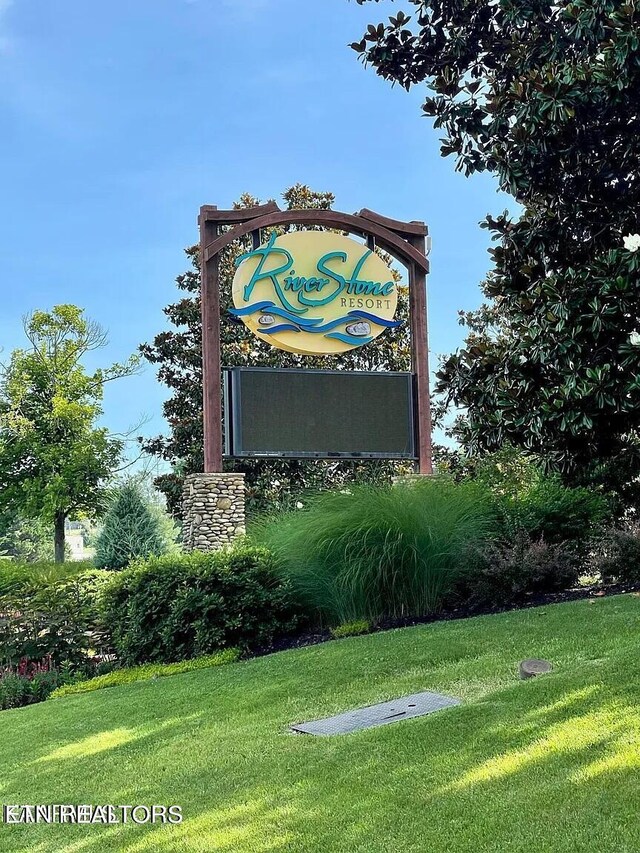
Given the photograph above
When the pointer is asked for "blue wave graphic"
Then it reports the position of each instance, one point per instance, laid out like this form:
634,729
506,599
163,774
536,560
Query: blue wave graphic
314,326
331,324
249,309
272,308
358,315
379,321
301,321
283,327
348,339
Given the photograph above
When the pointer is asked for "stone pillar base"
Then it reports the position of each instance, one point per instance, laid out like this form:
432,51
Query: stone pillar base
212,511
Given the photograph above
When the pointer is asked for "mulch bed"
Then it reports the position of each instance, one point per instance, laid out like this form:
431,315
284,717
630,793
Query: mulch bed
296,641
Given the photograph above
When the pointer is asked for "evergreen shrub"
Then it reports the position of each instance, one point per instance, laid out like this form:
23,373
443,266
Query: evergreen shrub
176,607
130,530
50,610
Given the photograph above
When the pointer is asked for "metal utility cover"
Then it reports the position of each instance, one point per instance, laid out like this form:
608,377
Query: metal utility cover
416,705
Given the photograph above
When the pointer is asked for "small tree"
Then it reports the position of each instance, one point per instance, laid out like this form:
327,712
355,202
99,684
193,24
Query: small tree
131,529
54,461
27,540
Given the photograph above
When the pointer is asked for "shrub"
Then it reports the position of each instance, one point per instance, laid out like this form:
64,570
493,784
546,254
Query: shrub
531,500
44,683
15,691
177,607
49,611
508,472
15,574
128,675
556,513
504,573
351,629
616,555
374,551
130,530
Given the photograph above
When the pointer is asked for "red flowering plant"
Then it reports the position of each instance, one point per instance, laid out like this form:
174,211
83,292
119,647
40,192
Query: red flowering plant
29,681
27,668
49,629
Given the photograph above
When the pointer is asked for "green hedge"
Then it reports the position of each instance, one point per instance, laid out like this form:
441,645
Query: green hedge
18,690
555,513
532,500
176,607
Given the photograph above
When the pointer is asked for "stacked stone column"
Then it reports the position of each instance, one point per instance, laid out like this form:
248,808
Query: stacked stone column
212,510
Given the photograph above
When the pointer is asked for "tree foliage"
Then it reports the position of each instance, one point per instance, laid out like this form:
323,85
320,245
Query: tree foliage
53,459
546,95
130,530
26,540
178,353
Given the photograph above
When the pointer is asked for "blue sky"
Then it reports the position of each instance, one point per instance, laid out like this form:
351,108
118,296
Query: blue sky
120,119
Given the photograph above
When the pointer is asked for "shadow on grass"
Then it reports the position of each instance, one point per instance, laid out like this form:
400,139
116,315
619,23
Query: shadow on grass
545,765
478,777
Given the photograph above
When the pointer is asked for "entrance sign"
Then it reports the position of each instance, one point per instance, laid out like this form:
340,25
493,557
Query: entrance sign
314,292
307,274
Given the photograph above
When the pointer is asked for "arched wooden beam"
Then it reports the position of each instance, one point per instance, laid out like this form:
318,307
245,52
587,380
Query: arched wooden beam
243,214
404,229
385,238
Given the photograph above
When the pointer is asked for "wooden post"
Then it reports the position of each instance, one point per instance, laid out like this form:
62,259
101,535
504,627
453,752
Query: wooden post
420,357
211,367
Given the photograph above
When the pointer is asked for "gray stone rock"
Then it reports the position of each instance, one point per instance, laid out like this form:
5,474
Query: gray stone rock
359,330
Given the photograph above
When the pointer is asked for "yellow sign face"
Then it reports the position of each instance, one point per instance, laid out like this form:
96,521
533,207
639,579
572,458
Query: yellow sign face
314,292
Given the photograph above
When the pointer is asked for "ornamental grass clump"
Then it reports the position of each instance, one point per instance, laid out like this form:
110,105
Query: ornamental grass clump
378,551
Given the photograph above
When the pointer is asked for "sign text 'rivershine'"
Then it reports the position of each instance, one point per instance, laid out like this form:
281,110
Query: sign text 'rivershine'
314,292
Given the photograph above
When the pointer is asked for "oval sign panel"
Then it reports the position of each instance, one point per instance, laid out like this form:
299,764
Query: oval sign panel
314,292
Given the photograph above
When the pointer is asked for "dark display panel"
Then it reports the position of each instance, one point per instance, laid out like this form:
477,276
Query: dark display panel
318,413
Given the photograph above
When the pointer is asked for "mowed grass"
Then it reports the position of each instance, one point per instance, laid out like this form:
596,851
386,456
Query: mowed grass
551,764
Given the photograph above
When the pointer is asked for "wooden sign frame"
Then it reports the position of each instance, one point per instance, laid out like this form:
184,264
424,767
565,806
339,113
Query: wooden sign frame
405,241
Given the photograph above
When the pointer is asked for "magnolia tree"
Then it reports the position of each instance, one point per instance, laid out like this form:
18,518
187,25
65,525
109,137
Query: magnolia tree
546,96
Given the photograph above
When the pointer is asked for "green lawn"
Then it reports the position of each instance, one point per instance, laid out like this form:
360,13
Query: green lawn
551,764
